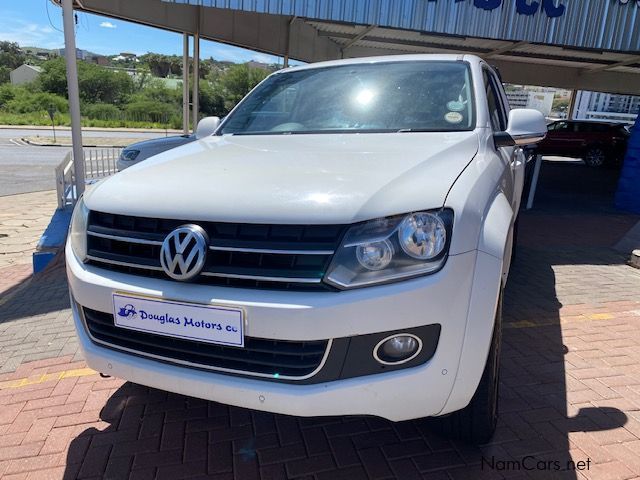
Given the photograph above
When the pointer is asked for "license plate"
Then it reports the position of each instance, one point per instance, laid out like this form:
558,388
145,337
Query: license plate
189,321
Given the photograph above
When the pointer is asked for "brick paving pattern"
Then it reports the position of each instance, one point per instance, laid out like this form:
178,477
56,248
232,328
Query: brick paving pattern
23,218
570,390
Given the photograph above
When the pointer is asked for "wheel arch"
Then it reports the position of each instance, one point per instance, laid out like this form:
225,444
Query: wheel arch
494,254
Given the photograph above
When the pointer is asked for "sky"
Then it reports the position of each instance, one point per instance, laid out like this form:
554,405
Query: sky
38,23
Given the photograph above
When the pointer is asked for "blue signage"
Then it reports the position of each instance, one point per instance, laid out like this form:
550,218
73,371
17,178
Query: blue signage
553,8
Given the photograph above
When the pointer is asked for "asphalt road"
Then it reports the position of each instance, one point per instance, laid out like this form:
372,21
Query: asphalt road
25,168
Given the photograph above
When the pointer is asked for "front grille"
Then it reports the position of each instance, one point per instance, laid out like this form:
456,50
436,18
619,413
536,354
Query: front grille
240,255
275,358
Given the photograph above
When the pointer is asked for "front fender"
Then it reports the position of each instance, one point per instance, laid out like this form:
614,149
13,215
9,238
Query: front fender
494,249
496,235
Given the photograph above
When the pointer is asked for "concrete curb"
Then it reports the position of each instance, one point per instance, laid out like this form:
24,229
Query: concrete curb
634,261
66,145
53,239
90,129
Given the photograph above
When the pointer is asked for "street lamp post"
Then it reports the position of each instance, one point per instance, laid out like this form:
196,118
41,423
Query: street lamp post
52,115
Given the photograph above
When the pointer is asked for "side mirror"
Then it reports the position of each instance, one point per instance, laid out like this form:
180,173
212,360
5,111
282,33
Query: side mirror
206,127
526,126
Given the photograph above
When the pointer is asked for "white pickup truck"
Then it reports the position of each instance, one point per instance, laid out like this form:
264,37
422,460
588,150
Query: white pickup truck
338,246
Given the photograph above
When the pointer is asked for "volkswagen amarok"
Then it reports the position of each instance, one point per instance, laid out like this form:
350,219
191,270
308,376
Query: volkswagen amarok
338,246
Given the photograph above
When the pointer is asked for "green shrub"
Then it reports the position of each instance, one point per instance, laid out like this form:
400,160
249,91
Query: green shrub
102,111
25,102
7,93
149,111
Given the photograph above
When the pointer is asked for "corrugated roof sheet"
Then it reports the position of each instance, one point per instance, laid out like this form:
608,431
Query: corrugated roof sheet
592,24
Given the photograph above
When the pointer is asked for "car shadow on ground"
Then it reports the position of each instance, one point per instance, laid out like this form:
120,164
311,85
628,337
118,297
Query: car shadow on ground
38,294
154,434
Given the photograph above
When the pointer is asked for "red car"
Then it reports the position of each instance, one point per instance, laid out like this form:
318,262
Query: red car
597,143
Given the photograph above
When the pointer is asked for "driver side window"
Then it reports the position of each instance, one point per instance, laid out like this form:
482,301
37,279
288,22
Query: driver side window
497,114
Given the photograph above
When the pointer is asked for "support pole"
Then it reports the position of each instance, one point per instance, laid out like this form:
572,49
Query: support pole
196,73
74,96
285,62
571,113
185,83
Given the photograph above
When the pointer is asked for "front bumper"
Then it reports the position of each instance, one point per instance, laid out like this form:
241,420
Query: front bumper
426,390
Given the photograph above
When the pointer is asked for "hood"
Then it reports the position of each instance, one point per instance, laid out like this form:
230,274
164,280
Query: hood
310,179
174,140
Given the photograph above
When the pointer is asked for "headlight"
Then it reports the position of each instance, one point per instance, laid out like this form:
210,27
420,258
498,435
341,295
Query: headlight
391,249
78,230
422,235
129,155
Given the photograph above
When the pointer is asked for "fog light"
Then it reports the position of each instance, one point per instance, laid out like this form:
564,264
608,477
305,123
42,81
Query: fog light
397,349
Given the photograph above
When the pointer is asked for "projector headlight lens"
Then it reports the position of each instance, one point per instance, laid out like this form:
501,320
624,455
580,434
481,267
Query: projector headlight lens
391,249
375,256
422,235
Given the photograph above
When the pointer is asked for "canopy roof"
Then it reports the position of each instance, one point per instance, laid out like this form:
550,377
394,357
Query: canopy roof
592,45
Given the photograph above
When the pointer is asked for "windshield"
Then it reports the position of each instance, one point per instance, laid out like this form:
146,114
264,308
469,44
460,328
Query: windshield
358,98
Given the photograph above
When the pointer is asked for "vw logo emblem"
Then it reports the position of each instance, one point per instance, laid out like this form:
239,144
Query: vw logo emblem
184,252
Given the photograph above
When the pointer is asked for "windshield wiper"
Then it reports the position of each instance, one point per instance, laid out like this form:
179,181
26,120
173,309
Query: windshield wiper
418,130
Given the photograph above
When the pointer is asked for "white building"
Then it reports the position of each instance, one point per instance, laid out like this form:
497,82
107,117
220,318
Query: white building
24,74
606,106
526,98
518,98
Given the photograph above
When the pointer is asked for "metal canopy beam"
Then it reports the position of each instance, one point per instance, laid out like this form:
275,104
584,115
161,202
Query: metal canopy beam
407,42
505,49
358,37
566,77
310,40
630,61
484,52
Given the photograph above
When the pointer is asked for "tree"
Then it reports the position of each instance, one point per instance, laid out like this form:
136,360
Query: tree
211,100
160,65
97,84
53,78
560,104
175,64
237,81
11,56
4,75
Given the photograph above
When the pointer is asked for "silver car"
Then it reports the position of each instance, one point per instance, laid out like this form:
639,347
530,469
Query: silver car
139,151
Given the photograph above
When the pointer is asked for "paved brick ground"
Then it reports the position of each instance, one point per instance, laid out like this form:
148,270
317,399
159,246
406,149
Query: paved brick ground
23,218
570,389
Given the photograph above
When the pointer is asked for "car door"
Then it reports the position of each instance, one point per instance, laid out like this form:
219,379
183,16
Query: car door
561,139
512,157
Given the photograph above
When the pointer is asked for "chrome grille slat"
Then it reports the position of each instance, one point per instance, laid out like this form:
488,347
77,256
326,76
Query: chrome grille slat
123,264
125,239
240,255
275,252
262,279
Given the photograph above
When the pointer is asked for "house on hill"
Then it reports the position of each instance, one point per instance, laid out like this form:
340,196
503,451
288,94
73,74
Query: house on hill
24,74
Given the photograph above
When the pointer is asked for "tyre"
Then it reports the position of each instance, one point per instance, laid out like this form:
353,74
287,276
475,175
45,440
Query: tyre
595,157
514,248
476,423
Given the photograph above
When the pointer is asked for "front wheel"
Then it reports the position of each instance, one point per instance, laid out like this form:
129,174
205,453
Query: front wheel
595,157
476,423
